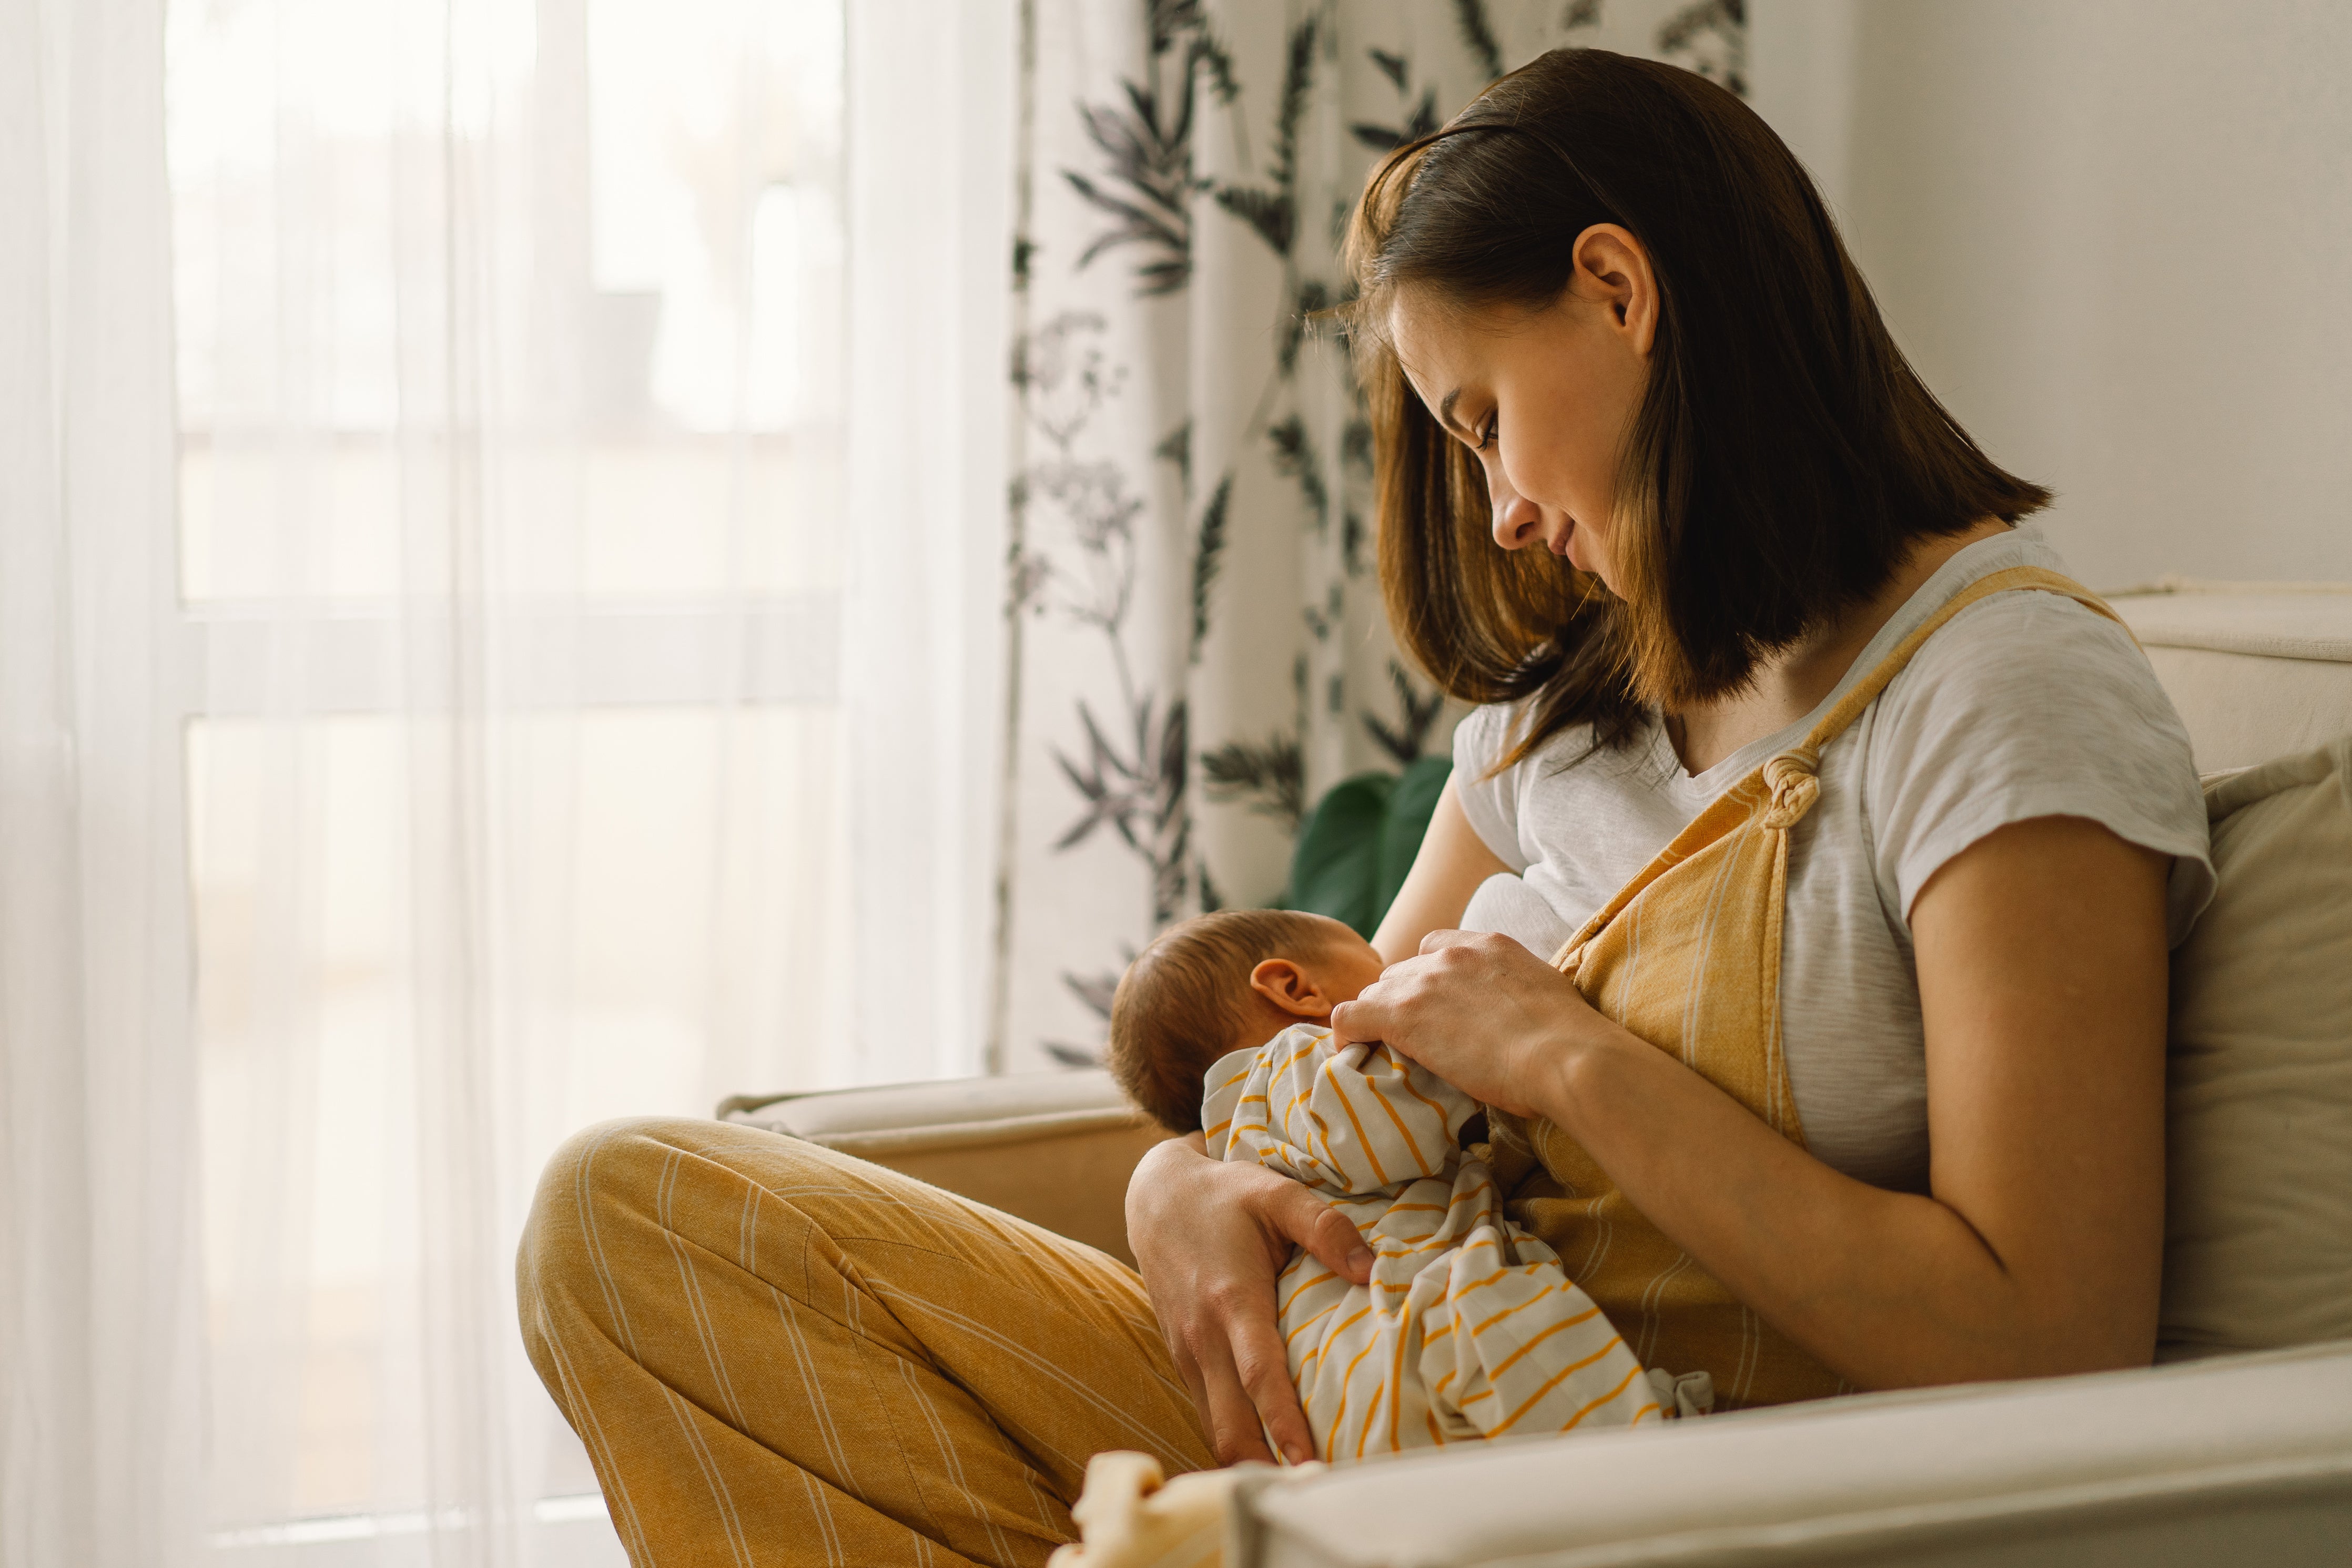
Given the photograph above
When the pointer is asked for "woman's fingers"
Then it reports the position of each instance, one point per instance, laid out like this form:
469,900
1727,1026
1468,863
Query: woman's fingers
1383,1011
1204,1359
1210,1238
1264,1365
1307,1221
1245,1391
1478,1009
1225,1403
1369,1017
1187,1368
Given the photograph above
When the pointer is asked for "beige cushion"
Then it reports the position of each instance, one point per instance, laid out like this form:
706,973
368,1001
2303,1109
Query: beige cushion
2256,671
1055,1148
2258,1249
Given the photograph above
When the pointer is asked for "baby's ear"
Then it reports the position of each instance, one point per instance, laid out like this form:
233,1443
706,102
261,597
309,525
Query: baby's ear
1289,988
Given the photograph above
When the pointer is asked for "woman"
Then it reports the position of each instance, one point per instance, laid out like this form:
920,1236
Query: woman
1796,749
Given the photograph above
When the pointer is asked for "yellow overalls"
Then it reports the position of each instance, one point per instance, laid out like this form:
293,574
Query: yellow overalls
1687,957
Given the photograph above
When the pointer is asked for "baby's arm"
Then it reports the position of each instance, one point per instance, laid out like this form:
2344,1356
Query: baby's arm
1348,1123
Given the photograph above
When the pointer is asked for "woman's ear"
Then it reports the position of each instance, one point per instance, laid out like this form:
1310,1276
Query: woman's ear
1290,987
1614,268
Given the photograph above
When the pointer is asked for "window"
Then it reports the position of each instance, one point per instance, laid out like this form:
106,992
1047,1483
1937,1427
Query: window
511,339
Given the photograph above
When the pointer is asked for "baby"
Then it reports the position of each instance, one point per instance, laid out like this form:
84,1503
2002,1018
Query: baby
1470,1328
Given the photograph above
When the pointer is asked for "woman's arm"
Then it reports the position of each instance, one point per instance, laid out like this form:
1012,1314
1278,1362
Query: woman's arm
1452,861
2041,965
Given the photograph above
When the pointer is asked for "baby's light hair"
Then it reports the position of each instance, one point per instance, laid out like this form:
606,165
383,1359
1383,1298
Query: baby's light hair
1186,996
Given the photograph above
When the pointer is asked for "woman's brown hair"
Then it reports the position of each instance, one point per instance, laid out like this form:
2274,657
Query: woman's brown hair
1785,455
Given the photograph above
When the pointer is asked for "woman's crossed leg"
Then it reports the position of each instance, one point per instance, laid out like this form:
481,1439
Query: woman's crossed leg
776,1353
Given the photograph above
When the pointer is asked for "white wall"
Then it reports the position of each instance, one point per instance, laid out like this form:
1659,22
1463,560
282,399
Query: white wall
2116,239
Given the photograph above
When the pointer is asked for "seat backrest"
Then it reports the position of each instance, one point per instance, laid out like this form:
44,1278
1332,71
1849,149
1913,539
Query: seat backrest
2256,669
1053,1148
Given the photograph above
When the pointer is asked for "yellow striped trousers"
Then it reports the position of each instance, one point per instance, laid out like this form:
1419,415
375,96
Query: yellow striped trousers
778,1355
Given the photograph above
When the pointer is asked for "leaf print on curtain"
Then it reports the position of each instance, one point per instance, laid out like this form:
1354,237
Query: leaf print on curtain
1197,646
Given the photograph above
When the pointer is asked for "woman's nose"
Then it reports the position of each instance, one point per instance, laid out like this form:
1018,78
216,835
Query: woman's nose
1518,522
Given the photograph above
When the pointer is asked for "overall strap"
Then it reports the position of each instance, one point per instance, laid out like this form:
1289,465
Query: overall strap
1790,777
1786,786
1865,692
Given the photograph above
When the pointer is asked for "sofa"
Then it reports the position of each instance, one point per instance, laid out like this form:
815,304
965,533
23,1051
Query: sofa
2235,1448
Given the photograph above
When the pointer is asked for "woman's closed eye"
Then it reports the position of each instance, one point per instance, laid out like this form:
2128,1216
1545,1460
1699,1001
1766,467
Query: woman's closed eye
1489,434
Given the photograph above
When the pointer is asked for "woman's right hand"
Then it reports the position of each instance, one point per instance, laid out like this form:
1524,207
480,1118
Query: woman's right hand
1210,1238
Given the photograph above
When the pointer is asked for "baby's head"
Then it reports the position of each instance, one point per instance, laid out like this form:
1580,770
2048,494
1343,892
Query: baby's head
1221,983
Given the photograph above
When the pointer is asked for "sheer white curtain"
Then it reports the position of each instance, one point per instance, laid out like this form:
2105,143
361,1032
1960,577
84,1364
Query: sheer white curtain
576,546
930,136
99,1348
512,529
512,551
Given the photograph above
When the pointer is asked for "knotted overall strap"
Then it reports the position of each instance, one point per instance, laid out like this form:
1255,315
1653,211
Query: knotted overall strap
1792,778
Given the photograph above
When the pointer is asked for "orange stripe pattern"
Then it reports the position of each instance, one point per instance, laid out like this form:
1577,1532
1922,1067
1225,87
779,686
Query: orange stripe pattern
1470,1328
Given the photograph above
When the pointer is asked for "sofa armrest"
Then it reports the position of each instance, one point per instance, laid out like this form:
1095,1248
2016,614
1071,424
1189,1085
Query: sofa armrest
2244,1459
1053,1148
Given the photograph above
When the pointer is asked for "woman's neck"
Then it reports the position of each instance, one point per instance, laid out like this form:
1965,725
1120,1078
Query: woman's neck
1792,683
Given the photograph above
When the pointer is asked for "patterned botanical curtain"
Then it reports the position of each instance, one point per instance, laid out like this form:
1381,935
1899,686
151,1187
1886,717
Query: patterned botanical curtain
1197,648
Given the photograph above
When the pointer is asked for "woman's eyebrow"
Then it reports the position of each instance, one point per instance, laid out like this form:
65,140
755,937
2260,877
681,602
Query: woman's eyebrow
1445,409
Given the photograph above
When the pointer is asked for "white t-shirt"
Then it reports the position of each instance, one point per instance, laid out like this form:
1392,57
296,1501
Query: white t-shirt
2025,705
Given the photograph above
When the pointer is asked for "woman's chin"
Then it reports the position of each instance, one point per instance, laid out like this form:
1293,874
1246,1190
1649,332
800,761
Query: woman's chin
1584,562
1574,550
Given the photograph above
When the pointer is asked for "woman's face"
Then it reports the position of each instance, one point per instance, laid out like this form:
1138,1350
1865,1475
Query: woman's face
1546,397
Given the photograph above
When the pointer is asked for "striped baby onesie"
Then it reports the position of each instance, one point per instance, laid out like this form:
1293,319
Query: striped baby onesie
1470,1327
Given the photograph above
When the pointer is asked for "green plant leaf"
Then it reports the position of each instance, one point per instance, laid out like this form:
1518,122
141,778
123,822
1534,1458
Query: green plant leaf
1411,805
1359,842
1335,869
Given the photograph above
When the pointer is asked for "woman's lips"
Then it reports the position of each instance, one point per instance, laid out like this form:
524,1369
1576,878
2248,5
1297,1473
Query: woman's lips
1559,545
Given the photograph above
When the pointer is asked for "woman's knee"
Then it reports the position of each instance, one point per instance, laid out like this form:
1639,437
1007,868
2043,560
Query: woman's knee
594,1168
607,1185
582,1178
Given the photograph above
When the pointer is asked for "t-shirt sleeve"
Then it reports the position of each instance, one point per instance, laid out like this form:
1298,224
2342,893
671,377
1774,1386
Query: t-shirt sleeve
1492,804
2028,706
